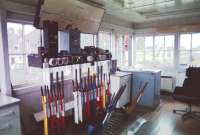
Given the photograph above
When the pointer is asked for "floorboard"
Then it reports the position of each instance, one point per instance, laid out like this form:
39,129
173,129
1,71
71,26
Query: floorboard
162,121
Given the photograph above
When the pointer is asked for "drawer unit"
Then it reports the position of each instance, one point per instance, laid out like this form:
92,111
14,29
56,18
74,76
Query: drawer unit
9,113
11,127
9,116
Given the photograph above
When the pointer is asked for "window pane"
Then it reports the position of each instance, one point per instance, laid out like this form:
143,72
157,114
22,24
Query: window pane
169,42
185,42
159,43
184,57
169,50
31,39
140,49
15,38
149,43
195,58
120,50
169,58
16,62
88,40
23,40
196,41
159,58
113,46
105,40
149,51
140,43
140,57
159,47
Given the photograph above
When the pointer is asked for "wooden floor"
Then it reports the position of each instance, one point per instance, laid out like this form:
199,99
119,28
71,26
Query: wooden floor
162,121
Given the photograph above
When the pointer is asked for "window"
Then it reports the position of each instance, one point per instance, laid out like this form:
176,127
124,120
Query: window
164,50
184,51
88,40
195,56
118,44
119,50
159,50
155,51
22,40
144,51
140,47
169,50
105,40
189,49
149,50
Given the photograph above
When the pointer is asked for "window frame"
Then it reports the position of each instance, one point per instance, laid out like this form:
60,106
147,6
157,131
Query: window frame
27,84
154,65
191,50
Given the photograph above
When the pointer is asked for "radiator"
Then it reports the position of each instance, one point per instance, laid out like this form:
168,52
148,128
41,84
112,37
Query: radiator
168,83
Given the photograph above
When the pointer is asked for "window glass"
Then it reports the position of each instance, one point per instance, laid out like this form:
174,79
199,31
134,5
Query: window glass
149,50
155,52
159,50
113,46
169,50
196,41
120,47
185,47
185,41
105,40
15,38
88,40
31,39
140,50
169,43
195,58
159,43
140,43
23,40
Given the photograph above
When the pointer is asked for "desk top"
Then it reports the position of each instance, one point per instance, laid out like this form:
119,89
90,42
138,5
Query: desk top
6,100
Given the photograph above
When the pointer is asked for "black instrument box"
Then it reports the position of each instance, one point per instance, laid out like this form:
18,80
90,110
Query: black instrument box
50,38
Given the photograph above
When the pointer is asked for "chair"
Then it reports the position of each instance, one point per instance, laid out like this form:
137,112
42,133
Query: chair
189,93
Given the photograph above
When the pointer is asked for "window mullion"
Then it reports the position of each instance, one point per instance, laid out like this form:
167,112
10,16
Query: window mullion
144,61
190,62
153,50
164,51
